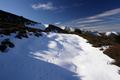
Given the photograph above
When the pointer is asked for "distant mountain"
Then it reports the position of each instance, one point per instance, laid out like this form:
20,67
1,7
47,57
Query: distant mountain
111,33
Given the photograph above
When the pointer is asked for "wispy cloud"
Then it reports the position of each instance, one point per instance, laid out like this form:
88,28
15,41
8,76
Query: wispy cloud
107,20
57,23
44,6
106,13
90,21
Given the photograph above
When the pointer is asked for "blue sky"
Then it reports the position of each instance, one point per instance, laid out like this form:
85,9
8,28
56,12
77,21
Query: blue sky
78,13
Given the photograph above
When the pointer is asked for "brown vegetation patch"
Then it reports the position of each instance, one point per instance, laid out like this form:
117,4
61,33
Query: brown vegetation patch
114,53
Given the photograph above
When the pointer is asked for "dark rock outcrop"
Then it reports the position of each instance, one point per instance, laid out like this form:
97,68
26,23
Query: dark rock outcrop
53,28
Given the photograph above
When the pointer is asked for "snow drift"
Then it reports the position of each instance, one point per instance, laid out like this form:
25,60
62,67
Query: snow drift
56,57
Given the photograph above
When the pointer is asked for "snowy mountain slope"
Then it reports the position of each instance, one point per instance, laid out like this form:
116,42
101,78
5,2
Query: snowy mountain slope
56,57
110,33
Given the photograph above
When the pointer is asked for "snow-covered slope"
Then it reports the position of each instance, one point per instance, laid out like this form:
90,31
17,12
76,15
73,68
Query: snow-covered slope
56,57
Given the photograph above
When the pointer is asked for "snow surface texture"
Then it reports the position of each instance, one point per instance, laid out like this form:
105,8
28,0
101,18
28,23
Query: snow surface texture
56,57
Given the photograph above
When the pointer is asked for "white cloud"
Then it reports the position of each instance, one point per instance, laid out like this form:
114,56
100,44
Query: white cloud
106,21
107,17
106,13
57,23
89,21
44,6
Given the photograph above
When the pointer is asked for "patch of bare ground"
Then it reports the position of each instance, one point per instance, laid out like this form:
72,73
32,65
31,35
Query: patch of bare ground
114,52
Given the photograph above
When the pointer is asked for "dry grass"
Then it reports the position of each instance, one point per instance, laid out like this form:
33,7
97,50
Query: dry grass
114,53
97,41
